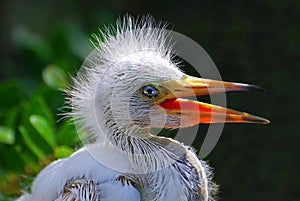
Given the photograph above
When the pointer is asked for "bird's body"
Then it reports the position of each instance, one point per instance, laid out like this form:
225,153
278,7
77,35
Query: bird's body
82,178
83,167
128,85
187,175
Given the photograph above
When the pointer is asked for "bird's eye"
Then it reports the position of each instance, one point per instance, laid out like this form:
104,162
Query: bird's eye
150,91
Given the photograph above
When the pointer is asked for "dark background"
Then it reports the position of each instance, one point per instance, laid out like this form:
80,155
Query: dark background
250,41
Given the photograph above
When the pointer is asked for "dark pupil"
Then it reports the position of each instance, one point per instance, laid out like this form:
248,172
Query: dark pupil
149,91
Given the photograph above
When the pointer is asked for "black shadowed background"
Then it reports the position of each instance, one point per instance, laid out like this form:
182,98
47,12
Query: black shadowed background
253,42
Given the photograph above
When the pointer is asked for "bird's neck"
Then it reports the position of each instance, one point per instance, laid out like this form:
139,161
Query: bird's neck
148,152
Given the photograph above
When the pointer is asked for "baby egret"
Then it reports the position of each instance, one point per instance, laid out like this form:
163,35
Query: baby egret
128,85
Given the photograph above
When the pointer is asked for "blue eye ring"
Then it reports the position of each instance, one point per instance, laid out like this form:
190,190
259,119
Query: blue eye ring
150,91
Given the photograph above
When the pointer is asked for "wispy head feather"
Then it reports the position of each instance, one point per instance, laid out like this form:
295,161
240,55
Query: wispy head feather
142,39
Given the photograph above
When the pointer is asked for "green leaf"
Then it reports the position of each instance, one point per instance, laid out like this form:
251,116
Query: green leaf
62,151
55,77
43,127
11,117
67,134
37,105
28,159
7,135
30,143
27,40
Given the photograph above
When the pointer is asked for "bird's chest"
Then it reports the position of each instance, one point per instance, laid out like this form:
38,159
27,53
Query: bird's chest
180,181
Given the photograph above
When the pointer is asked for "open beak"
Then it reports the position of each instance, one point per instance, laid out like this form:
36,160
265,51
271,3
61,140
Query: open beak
199,112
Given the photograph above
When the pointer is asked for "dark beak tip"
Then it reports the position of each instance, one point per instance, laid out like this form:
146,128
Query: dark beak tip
264,121
258,120
250,87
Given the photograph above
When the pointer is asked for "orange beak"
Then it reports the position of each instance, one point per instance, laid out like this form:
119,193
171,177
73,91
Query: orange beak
198,112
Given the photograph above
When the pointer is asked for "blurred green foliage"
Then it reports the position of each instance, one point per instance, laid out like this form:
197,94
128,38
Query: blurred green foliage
31,133
43,42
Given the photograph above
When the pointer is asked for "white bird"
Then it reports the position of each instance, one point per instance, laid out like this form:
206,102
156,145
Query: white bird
128,85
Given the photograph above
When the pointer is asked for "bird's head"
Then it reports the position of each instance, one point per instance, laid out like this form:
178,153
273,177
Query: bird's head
130,83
